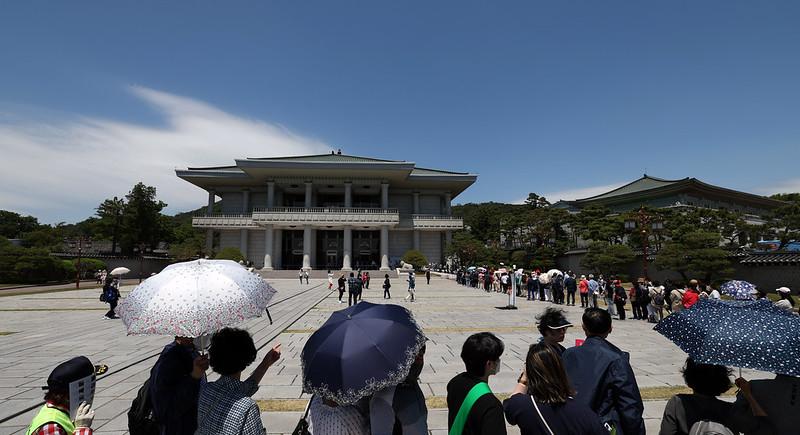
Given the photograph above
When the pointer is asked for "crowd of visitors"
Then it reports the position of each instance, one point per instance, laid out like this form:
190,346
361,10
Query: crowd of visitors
586,389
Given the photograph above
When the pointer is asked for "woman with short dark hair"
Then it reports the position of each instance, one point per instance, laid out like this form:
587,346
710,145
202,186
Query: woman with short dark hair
707,381
225,406
553,327
542,402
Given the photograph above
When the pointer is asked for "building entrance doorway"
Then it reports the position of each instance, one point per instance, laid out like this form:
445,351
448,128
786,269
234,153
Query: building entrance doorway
366,246
330,246
292,249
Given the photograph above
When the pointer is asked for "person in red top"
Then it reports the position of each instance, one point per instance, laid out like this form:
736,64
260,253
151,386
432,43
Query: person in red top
691,295
53,418
583,287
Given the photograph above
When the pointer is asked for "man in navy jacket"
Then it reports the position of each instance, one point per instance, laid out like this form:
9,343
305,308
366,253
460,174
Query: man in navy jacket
603,378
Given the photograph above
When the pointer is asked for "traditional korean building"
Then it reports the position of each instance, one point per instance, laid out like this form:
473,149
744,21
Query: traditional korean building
329,211
683,193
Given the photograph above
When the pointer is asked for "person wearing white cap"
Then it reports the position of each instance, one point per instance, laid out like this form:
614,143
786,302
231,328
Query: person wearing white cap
553,327
786,300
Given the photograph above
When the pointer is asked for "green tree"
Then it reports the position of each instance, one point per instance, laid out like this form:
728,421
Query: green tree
536,201
611,259
416,259
111,213
465,249
595,223
141,220
785,222
230,253
13,225
696,254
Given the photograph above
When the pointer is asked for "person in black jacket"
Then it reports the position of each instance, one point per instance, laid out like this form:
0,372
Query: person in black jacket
481,355
386,286
175,382
111,296
603,378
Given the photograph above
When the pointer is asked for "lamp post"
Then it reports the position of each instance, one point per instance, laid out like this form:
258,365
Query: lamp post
79,244
644,223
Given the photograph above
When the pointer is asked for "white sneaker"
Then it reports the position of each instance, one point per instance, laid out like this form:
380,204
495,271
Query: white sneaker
106,318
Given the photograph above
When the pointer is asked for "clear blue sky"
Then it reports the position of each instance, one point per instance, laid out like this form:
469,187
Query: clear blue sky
558,97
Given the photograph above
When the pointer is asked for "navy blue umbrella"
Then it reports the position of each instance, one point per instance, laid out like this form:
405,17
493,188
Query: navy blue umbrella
360,350
752,334
739,290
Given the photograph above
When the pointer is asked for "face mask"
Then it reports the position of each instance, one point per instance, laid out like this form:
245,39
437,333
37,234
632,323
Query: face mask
497,366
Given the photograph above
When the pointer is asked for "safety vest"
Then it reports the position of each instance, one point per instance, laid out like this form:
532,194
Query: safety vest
51,415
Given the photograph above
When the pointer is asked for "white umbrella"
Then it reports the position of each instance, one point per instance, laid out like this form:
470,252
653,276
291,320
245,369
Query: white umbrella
544,278
553,272
119,271
194,298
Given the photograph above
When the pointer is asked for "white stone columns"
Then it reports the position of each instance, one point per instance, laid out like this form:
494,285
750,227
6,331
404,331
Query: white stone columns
384,247
348,194
448,198
384,195
308,194
270,194
210,208
347,249
245,201
416,202
277,243
416,240
448,237
243,242
416,211
209,241
307,246
268,248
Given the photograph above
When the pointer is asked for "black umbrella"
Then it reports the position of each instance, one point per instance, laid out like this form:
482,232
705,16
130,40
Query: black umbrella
360,350
752,334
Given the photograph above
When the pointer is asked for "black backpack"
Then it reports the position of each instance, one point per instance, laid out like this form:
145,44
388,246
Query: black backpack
141,420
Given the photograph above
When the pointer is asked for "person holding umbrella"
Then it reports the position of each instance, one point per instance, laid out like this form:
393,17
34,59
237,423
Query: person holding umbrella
360,352
685,413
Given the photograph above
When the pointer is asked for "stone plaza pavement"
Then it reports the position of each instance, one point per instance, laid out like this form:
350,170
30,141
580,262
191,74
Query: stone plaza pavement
45,329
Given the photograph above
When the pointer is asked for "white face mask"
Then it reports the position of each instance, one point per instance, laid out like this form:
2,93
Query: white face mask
497,367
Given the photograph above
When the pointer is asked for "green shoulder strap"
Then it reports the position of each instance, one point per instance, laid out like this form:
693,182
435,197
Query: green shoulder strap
480,389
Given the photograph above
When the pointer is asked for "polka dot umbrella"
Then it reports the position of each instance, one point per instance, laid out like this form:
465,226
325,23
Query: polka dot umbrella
752,334
739,290
194,298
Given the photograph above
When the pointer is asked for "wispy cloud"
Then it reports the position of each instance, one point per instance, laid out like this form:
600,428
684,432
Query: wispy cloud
59,170
577,193
791,185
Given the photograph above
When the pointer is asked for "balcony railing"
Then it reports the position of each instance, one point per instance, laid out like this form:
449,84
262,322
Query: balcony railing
326,216
224,220
436,222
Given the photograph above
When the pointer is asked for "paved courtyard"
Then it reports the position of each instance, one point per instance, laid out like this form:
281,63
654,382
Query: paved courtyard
38,331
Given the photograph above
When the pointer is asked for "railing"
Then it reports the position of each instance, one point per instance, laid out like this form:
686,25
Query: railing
326,216
224,220
436,222
326,210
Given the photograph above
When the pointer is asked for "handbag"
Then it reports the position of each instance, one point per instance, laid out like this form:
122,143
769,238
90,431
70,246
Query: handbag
302,425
